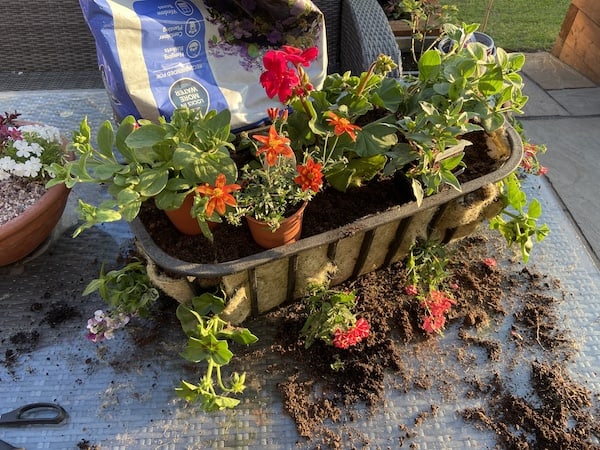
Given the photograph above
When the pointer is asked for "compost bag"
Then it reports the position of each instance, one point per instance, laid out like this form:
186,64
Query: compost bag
157,55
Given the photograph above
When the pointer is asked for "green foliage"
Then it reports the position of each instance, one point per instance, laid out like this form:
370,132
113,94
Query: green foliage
426,265
458,91
518,221
127,290
328,310
208,341
164,161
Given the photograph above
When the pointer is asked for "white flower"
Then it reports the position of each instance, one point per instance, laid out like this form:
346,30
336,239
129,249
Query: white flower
26,149
44,131
30,168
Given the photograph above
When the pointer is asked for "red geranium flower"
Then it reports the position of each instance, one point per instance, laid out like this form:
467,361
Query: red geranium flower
220,195
278,79
273,145
309,176
297,56
342,125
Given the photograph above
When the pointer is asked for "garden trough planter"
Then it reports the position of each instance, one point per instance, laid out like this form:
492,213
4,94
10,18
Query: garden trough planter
260,282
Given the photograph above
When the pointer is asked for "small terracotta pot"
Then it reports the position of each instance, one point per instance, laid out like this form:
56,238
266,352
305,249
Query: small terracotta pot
183,220
288,232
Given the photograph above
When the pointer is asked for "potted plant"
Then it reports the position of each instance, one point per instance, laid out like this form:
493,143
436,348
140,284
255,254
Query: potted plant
29,210
417,24
274,192
171,162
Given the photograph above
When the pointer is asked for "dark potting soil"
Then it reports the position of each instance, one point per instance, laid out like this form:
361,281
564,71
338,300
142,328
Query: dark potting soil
506,315
329,210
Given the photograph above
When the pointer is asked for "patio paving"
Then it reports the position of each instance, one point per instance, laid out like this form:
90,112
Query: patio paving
120,395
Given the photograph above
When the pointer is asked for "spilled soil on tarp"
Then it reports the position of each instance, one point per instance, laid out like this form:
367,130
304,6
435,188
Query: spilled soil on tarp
506,319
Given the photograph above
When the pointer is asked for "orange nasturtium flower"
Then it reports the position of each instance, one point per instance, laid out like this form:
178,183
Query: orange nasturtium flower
273,145
342,125
309,176
220,195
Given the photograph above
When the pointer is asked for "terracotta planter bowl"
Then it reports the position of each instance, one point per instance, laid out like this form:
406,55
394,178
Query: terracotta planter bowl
26,232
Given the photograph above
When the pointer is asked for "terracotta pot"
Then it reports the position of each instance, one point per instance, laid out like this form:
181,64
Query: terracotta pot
23,234
288,232
182,219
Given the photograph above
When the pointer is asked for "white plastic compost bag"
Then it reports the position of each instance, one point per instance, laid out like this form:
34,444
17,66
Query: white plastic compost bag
156,55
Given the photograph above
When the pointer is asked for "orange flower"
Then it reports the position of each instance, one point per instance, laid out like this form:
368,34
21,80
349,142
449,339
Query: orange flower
273,145
342,125
309,176
220,195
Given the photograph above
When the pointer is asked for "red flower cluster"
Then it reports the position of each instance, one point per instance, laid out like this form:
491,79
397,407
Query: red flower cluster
530,163
282,80
309,176
348,338
437,305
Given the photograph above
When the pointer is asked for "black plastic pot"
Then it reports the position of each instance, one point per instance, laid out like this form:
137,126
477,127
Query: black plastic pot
260,282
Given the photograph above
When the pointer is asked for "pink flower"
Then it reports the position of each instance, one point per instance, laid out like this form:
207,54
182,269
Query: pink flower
490,262
411,290
345,339
362,328
543,170
433,324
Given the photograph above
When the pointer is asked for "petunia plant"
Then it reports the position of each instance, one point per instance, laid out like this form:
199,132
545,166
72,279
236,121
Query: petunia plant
165,161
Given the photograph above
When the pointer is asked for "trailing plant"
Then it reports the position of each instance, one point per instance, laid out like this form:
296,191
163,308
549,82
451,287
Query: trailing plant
208,341
128,292
331,319
426,269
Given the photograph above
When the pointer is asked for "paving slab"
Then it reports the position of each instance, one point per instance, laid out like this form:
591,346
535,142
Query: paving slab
540,103
573,159
578,102
550,72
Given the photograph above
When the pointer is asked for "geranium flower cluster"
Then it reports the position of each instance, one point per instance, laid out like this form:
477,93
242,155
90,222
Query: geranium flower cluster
530,162
436,305
104,324
284,74
348,338
22,148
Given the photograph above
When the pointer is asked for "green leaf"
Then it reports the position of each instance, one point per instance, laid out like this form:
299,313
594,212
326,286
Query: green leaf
189,319
105,139
429,65
208,303
207,348
417,189
535,209
145,136
239,335
153,181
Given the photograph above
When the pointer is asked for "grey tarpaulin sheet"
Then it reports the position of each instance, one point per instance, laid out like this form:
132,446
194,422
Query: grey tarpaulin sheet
120,395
